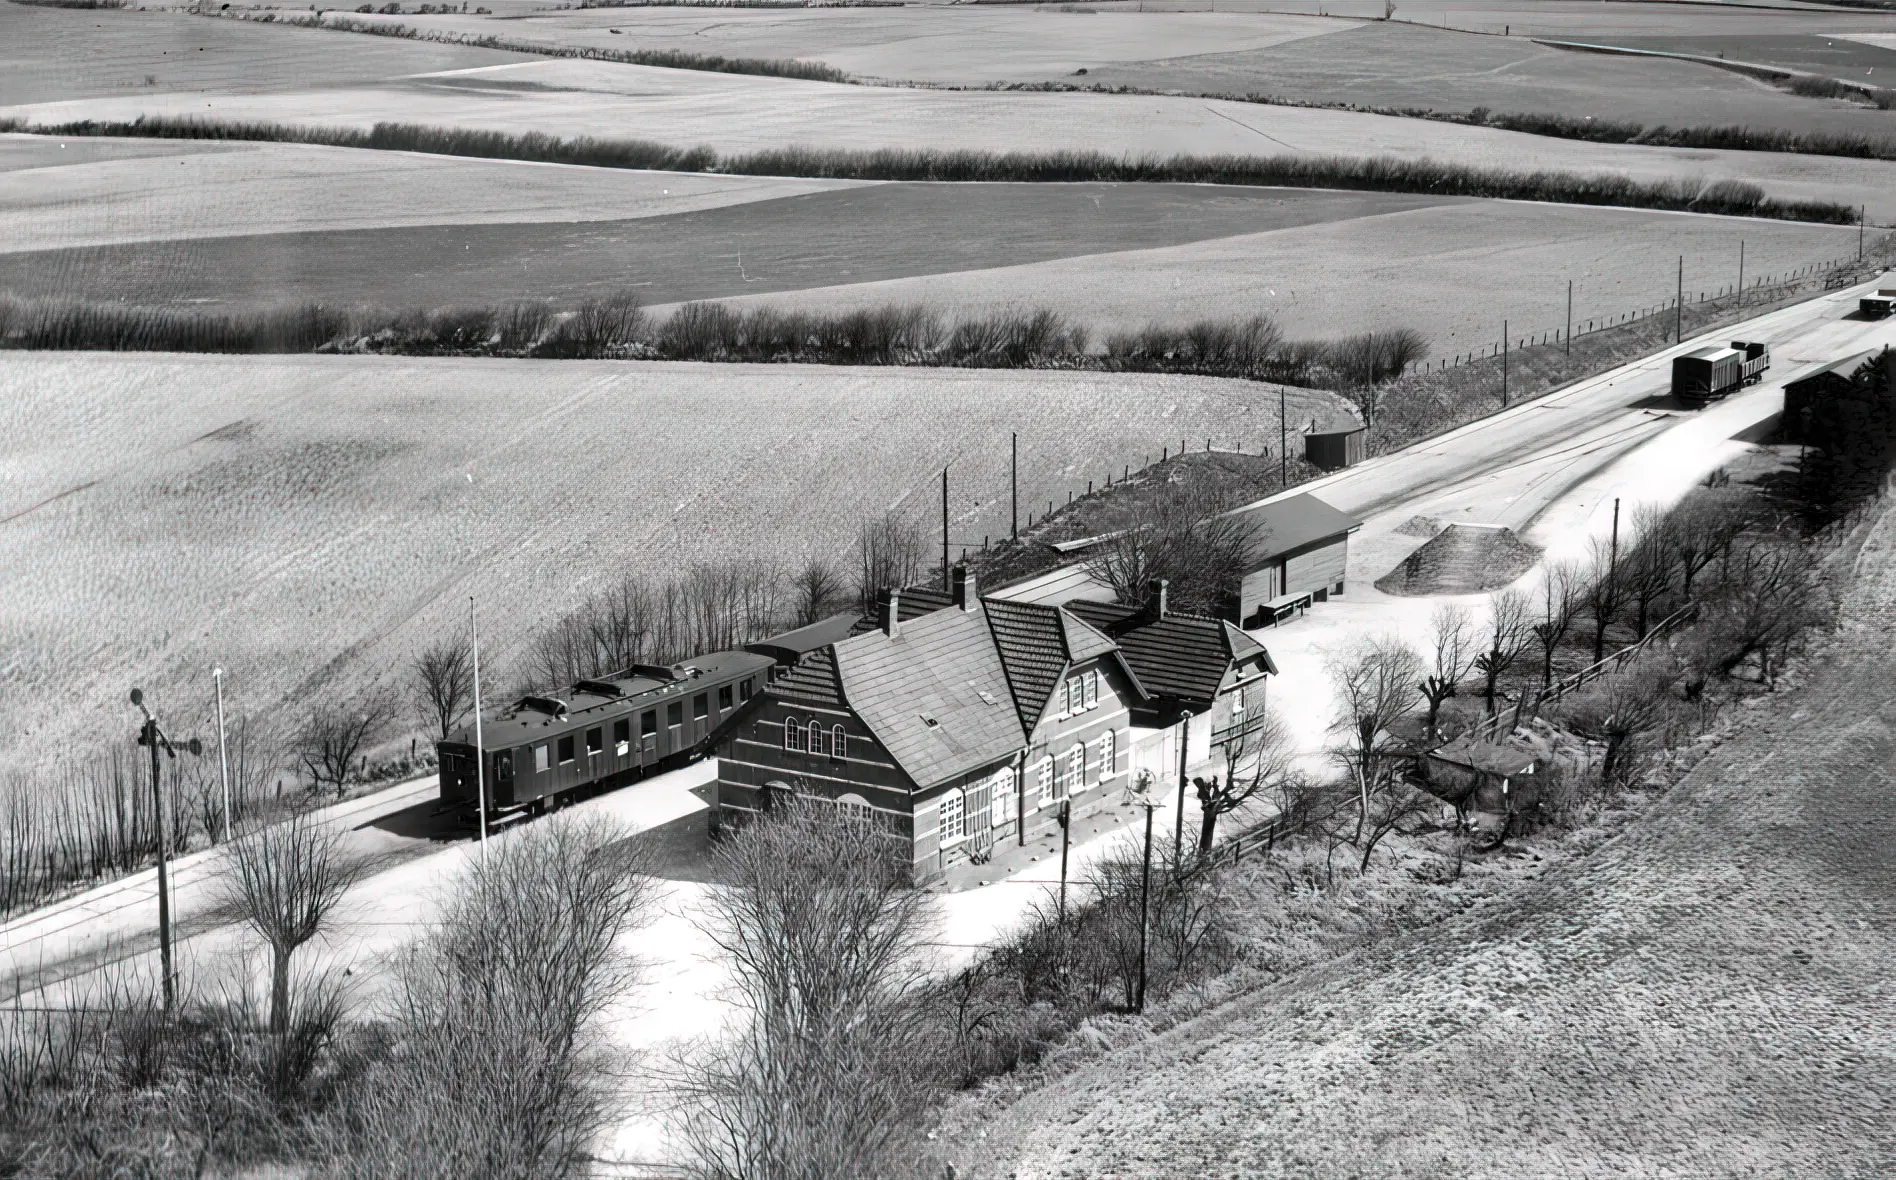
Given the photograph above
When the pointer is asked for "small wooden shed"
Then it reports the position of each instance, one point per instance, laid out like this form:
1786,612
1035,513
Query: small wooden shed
1496,783
1333,450
1814,387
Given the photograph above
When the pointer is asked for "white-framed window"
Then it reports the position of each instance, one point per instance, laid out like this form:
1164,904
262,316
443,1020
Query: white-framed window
1045,783
1092,688
1075,698
1076,765
816,736
792,734
1002,809
1237,701
539,759
952,829
856,807
1108,754
839,743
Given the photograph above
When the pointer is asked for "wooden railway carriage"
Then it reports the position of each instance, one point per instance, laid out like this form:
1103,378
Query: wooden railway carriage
600,734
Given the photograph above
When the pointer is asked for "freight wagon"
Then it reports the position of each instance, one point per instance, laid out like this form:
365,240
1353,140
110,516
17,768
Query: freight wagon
1711,373
1878,305
546,751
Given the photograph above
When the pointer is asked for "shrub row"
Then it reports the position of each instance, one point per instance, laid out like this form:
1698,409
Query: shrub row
1369,173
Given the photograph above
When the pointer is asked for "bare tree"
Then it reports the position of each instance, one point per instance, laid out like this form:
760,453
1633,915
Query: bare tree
1561,597
1702,526
819,591
1452,656
824,934
500,1071
285,879
1766,597
1182,540
1617,710
890,553
441,683
1373,678
336,732
1605,593
1508,637
1646,570
1255,758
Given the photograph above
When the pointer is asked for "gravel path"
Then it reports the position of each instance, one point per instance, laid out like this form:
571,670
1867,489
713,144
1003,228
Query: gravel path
1706,995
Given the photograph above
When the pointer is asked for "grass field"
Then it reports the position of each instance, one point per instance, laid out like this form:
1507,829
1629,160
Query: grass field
960,45
1855,57
850,234
1599,19
1453,272
1706,994
1413,65
80,192
320,516
52,54
734,114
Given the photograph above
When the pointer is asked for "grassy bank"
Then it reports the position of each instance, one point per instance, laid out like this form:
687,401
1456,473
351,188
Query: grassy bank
1363,174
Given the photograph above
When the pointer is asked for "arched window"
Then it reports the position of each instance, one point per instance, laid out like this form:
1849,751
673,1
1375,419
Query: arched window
1108,754
839,744
1045,785
816,737
856,807
792,734
1076,765
951,825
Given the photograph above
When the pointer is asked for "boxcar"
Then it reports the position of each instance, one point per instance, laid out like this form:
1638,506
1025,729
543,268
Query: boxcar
599,734
1711,373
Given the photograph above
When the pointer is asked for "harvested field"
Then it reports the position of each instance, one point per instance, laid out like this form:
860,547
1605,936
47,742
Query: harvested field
1453,272
82,192
1412,65
954,45
733,113
1705,994
320,516
850,234
1461,559
1854,57
1598,19
55,54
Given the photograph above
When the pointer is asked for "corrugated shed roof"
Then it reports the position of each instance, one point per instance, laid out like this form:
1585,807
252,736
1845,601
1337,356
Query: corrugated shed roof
936,696
804,640
1280,526
812,680
1182,656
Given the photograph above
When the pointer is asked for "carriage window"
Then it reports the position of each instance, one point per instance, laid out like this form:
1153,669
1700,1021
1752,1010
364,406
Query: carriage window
648,724
724,697
566,748
539,759
622,736
839,744
503,765
701,706
675,714
595,740
744,689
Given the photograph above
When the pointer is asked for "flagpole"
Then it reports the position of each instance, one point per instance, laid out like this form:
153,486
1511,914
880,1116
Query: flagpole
480,751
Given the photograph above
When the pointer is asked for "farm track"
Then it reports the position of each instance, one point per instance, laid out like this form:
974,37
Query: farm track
1707,994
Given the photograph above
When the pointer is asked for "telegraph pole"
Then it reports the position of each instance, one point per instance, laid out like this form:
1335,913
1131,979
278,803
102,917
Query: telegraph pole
1283,440
1569,335
1504,364
1862,212
223,760
1145,896
480,750
1066,832
1014,482
1741,272
1178,821
1678,307
944,528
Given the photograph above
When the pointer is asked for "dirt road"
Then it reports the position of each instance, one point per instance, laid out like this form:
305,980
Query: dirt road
1707,994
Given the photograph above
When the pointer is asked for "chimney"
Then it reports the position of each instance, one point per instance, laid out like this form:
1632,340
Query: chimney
889,612
1158,599
961,583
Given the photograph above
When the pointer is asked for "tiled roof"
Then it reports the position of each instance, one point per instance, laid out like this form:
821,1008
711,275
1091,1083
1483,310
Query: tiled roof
1180,656
1033,653
912,603
1083,640
813,680
935,695
1280,526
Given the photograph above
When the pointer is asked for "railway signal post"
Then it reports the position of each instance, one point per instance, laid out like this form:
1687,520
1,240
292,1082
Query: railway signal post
150,735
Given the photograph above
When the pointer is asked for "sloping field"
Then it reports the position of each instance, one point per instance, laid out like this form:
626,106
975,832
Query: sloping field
1413,65
1602,19
1453,272
734,113
1705,995
90,192
849,234
964,45
48,54
306,521
1855,56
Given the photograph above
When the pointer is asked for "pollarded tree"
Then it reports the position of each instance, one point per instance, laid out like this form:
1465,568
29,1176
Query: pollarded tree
1605,593
1562,593
1647,568
1453,655
286,879
1255,758
1373,679
1508,635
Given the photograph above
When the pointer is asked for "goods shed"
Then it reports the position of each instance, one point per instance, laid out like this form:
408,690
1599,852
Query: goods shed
1299,549
1813,388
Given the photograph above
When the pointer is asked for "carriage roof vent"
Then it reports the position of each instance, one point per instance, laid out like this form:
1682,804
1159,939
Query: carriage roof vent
551,706
599,688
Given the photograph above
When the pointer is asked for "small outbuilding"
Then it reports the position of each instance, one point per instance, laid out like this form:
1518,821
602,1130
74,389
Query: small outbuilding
1299,549
1819,385
1333,450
